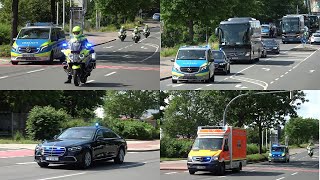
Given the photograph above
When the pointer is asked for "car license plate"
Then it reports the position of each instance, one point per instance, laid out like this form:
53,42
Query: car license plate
52,158
201,167
189,75
290,39
27,55
235,58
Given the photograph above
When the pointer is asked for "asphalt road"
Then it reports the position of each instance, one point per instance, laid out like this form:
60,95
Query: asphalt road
137,166
290,70
301,166
120,65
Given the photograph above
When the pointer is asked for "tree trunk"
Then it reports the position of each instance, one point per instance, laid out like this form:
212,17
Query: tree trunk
260,136
191,31
53,10
14,25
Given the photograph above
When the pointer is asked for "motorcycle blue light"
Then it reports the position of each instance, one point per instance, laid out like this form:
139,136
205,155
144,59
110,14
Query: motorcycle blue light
97,125
88,45
64,45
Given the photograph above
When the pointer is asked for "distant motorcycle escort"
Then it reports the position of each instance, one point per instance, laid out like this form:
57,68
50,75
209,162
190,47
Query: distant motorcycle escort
81,60
122,34
136,35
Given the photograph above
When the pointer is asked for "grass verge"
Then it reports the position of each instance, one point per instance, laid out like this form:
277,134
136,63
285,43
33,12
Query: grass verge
21,141
172,159
257,157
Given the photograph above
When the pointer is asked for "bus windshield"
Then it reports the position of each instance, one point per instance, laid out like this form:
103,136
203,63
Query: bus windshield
207,144
290,25
235,34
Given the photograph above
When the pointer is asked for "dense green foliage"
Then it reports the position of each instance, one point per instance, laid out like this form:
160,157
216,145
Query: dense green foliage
44,122
302,130
188,21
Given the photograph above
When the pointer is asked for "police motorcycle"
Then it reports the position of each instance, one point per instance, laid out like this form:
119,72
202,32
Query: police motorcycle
122,35
81,60
146,33
136,37
310,151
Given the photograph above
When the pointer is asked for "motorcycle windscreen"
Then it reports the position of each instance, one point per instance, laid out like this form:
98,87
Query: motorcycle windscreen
75,46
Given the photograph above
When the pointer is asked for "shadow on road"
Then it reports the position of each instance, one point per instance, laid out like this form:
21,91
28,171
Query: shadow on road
101,84
276,63
244,173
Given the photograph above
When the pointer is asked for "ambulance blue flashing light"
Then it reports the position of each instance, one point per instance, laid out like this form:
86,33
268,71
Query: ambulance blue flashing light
97,125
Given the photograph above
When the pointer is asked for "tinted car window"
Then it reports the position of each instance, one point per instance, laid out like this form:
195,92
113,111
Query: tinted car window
99,134
34,33
217,55
109,134
77,134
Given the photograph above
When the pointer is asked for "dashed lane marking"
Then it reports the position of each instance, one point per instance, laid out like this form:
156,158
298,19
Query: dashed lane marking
110,74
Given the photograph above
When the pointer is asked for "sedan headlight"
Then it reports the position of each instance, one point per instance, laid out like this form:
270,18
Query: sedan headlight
189,158
222,64
215,158
202,68
275,47
76,148
176,67
247,54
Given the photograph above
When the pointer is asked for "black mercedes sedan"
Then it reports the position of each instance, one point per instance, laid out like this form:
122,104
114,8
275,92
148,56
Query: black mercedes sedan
271,45
82,146
221,62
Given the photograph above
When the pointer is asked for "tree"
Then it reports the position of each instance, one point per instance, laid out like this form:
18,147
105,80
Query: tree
300,130
14,26
131,104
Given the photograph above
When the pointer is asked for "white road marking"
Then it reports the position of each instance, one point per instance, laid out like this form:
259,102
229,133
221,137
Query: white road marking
90,81
207,86
266,69
38,70
277,79
306,58
222,176
57,177
170,173
108,47
252,170
177,85
132,165
26,163
281,178
311,71
286,72
263,84
294,173
281,75
198,89
110,74
114,51
185,171
3,77
271,82
152,45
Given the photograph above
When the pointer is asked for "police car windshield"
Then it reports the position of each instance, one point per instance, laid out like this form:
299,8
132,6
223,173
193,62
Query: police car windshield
77,134
278,149
34,33
191,55
207,144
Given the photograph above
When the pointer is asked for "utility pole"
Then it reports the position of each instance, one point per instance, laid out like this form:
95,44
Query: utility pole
70,25
297,9
57,13
63,14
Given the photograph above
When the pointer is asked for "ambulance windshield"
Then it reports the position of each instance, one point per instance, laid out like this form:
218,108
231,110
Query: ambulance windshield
207,144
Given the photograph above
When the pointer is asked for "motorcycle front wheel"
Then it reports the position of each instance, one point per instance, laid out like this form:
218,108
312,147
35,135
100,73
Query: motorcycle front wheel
76,77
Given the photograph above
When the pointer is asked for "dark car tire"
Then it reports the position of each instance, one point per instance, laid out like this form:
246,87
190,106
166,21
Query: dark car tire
43,164
174,81
229,70
222,169
192,171
14,62
86,160
120,157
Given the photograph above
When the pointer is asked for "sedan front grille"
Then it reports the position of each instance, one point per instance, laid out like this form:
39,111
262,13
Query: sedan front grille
53,151
28,50
189,69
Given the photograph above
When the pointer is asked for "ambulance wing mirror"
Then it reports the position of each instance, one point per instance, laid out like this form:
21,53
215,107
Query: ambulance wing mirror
226,148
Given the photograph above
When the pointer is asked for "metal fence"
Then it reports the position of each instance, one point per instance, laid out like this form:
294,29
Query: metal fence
12,122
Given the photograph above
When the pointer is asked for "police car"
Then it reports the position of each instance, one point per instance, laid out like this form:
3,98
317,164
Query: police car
279,153
193,63
38,42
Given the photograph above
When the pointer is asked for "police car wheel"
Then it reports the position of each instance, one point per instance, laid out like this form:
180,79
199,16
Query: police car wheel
43,164
192,172
174,81
222,169
14,62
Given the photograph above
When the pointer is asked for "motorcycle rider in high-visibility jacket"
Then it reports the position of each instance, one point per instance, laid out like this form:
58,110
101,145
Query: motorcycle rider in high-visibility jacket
77,36
135,32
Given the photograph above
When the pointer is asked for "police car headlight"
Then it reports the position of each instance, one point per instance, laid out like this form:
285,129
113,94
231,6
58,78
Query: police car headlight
76,148
202,68
247,54
215,158
275,47
43,48
189,158
14,48
283,154
176,67
39,147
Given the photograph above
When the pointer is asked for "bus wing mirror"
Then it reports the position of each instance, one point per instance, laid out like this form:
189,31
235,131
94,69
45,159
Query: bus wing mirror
216,31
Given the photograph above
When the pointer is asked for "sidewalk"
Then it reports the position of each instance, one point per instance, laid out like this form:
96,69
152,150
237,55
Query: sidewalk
20,150
182,164
165,67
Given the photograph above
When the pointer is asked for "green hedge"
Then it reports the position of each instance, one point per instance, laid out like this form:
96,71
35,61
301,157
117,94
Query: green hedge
175,148
5,33
254,149
44,122
5,50
257,157
133,129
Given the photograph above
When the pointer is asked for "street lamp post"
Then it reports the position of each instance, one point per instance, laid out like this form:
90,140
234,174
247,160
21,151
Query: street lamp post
225,110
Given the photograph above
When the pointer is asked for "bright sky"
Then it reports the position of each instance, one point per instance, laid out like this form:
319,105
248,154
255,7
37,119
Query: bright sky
311,108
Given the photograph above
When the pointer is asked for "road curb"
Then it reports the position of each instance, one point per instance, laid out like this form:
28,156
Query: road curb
143,150
104,42
165,78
